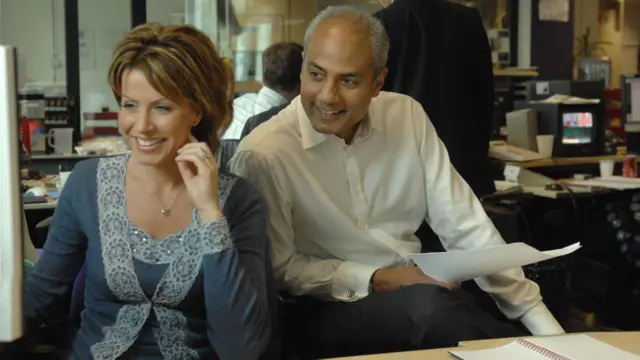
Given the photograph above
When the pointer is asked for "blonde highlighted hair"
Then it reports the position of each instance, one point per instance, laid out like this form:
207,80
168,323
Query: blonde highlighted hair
183,65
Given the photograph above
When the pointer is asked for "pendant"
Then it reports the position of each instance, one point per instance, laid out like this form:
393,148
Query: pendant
166,212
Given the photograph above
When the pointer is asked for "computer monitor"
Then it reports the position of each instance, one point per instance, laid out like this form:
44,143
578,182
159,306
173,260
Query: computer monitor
630,114
630,96
578,129
11,259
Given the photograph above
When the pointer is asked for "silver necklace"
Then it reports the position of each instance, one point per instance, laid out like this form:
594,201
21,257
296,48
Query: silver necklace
166,210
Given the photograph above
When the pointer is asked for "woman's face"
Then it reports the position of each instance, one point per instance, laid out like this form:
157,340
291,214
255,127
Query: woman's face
153,126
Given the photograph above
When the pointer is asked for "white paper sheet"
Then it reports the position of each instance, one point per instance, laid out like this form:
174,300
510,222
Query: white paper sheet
611,182
457,266
554,10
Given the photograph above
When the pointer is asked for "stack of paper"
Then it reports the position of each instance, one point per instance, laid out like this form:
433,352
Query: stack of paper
564,347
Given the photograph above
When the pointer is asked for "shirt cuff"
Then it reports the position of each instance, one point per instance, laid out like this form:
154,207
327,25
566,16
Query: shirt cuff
351,281
540,321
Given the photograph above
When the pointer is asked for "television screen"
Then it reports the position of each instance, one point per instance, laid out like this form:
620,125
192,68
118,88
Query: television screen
577,128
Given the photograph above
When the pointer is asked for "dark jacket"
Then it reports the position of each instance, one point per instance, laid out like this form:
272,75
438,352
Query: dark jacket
258,119
440,56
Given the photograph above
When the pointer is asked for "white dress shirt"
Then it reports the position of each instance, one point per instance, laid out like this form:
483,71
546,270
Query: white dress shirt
249,105
339,212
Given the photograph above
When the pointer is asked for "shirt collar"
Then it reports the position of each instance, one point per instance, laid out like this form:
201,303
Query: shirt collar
311,138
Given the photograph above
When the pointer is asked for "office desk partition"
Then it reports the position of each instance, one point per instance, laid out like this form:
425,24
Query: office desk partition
568,161
49,205
49,164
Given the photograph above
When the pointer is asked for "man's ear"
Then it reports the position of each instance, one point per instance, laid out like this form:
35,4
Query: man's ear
379,83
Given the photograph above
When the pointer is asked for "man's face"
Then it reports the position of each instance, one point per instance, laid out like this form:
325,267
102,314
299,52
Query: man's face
338,78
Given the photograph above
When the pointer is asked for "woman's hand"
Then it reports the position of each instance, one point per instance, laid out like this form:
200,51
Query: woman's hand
199,172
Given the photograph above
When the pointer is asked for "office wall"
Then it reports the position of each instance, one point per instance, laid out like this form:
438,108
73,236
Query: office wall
35,28
100,24
552,45
609,32
161,11
630,38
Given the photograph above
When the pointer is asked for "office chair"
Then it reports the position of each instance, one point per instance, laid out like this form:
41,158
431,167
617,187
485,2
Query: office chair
225,153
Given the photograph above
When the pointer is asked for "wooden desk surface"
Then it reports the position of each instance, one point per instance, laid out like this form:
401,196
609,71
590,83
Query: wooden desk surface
567,161
629,341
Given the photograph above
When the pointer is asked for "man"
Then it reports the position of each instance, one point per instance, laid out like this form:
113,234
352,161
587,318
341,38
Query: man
445,64
349,173
281,64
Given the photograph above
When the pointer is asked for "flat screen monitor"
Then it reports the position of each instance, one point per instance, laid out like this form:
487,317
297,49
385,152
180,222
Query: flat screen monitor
11,259
630,96
577,128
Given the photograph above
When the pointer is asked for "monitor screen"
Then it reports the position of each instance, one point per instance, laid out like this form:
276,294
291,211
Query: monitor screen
577,128
630,95
11,259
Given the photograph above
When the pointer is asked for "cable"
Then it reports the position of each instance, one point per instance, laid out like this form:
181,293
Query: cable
574,202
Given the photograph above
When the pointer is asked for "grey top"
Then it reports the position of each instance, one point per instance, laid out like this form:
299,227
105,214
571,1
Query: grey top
199,293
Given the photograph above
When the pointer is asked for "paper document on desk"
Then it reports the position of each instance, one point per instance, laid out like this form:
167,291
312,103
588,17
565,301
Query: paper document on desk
457,266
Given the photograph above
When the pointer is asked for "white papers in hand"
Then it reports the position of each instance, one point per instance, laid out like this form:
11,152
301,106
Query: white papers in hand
457,266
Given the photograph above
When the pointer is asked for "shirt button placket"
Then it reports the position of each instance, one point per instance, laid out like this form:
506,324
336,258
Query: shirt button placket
355,186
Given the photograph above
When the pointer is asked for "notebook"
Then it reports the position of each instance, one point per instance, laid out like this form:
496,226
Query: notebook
565,347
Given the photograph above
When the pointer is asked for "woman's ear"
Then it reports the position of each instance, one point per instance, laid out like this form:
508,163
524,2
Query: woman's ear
197,121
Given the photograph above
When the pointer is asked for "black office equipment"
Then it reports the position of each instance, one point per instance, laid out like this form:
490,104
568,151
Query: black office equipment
630,114
587,89
578,128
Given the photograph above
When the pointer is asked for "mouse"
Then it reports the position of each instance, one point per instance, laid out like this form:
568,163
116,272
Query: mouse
554,187
37,191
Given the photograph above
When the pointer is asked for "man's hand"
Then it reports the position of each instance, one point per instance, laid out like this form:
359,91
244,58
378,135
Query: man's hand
395,278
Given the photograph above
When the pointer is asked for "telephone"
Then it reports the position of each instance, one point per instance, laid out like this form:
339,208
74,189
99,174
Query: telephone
501,150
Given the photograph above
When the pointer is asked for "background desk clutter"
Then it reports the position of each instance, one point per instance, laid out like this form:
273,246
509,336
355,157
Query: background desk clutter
564,161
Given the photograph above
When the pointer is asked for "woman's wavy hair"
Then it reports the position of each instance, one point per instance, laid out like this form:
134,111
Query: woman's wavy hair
183,65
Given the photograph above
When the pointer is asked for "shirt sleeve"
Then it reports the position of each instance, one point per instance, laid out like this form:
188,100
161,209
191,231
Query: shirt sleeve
62,256
235,288
457,217
300,274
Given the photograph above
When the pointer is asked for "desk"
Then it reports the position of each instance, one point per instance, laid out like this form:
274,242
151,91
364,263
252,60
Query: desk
628,341
51,204
569,161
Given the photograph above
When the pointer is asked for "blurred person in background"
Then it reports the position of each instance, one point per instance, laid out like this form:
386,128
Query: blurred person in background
281,64
440,56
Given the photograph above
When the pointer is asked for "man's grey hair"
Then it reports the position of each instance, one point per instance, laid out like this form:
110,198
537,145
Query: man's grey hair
379,40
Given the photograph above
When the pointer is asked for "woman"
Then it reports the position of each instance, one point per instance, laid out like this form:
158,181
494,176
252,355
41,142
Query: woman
175,252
